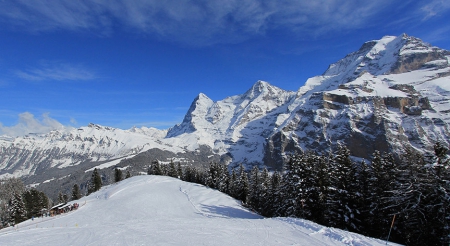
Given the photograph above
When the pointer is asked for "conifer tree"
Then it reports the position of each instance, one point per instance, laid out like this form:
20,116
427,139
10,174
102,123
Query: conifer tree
128,175
232,184
241,186
342,209
7,189
319,198
179,170
172,171
380,185
365,217
212,176
65,198
17,210
263,188
437,200
76,194
406,199
291,189
117,175
254,189
95,183
60,197
155,168
271,202
34,201
223,181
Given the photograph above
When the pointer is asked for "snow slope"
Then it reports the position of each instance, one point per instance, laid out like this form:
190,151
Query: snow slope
155,210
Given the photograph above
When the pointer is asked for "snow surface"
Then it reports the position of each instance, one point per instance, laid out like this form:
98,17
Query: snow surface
109,163
156,210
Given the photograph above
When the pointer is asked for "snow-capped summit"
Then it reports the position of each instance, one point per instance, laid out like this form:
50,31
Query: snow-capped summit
193,117
221,125
389,55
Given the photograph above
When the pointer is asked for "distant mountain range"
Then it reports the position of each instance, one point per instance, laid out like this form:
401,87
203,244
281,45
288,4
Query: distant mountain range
390,94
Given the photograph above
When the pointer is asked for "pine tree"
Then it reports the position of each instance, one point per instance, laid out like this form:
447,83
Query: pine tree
60,197
179,170
320,191
292,189
406,199
232,184
271,203
264,195
380,182
34,201
309,185
254,192
342,210
117,175
241,186
17,210
95,183
76,194
224,176
172,172
128,175
212,176
365,217
7,189
437,200
155,168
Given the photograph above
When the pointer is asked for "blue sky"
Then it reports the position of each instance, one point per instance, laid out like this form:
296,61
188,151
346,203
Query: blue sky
124,63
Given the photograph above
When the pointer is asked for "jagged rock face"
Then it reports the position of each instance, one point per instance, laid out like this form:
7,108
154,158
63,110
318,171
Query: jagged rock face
390,94
416,54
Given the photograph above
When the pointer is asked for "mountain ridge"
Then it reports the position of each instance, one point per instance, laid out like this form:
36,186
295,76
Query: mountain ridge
390,94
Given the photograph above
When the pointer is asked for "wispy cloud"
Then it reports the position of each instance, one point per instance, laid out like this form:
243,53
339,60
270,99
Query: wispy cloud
200,22
434,7
28,123
57,72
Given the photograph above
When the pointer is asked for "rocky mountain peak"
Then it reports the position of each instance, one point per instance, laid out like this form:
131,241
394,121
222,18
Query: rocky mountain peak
198,108
261,88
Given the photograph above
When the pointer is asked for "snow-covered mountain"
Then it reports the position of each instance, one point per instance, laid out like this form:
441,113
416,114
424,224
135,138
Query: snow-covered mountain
390,94
35,153
156,210
237,125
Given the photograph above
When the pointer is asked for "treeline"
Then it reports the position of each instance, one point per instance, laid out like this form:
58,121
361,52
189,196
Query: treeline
411,193
18,204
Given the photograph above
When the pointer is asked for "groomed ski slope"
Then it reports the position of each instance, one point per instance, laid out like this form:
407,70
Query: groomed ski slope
156,210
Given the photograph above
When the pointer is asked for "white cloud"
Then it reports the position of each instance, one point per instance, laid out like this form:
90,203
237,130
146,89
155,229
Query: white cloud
56,71
29,124
434,7
200,22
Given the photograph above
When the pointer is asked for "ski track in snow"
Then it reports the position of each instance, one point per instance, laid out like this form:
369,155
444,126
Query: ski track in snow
155,210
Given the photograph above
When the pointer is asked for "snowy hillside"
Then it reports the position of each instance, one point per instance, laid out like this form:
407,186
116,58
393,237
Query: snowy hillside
155,210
